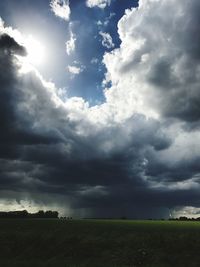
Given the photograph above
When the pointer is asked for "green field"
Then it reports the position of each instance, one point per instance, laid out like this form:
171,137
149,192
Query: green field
98,243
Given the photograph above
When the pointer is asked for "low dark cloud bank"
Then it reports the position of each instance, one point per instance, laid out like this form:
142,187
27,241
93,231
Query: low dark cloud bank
136,169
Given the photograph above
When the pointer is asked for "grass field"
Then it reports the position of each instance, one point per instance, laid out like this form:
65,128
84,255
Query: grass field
99,243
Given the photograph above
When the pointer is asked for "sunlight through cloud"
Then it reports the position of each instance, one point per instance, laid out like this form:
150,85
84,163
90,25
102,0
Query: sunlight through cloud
35,51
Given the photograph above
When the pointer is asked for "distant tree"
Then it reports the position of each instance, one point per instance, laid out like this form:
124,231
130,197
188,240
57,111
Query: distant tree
25,214
40,214
183,218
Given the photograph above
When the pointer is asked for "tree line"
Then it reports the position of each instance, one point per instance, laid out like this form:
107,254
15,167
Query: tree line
184,218
26,214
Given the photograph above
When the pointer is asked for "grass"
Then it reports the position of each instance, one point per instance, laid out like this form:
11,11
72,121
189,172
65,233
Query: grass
98,243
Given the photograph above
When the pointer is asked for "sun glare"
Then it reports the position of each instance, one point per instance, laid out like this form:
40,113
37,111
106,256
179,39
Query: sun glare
35,51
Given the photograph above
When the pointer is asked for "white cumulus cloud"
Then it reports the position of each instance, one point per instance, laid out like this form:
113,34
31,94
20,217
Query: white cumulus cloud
106,40
61,8
156,70
75,70
71,44
98,3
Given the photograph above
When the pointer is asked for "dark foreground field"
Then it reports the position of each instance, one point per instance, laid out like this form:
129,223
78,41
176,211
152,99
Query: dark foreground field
95,243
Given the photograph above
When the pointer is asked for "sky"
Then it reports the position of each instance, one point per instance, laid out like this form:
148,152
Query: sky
100,107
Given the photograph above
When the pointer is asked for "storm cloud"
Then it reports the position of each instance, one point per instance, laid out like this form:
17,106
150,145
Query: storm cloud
135,155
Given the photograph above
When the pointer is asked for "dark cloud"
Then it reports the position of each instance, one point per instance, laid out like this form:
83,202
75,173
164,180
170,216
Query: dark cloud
41,150
8,44
16,128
